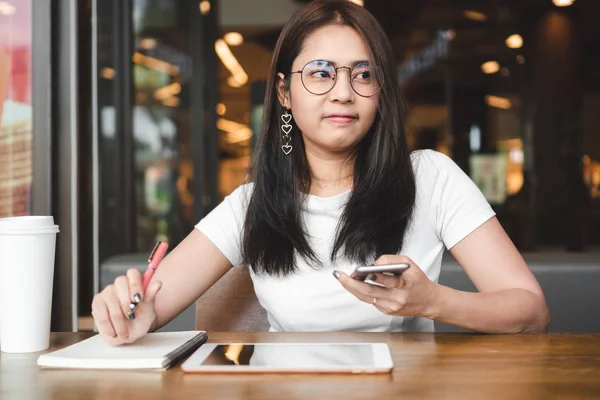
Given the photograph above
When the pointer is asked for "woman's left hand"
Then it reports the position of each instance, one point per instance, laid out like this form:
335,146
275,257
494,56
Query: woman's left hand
411,294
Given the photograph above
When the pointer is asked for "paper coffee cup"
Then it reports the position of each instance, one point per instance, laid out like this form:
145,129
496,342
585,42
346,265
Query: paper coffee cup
26,278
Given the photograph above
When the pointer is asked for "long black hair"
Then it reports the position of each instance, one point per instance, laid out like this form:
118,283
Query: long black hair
379,210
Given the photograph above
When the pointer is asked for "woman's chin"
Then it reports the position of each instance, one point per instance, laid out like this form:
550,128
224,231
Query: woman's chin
341,146
335,142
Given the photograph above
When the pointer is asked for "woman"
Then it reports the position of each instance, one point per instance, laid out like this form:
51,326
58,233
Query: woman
334,187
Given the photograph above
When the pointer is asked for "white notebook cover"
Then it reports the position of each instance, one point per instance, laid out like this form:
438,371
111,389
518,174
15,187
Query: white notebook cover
156,350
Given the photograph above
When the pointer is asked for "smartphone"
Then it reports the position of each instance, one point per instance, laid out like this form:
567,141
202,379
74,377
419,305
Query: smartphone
362,272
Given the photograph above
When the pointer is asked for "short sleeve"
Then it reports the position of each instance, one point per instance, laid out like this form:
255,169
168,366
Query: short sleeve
459,206
224,224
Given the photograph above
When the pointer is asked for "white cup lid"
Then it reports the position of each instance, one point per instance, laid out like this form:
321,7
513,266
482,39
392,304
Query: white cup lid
27,221
13,230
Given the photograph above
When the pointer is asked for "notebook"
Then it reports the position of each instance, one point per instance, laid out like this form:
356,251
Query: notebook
157,351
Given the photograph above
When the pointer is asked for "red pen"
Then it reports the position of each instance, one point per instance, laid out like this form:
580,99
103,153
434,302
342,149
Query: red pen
153,261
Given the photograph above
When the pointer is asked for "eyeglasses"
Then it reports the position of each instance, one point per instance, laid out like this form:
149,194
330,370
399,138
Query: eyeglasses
319,77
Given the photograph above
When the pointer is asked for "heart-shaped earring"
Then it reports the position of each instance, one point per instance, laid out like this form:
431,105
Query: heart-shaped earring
286,128
286,118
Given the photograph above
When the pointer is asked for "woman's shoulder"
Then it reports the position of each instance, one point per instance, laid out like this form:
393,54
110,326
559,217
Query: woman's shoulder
240,196
243,190
429,163
434,171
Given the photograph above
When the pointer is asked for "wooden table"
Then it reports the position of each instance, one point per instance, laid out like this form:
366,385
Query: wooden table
427,366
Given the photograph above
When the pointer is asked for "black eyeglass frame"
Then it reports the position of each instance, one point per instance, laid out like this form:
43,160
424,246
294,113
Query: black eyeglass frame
333,78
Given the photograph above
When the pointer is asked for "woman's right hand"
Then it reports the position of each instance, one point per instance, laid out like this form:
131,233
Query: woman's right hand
112,309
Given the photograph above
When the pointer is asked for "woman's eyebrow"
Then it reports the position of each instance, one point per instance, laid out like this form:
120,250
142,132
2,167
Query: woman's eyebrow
353,63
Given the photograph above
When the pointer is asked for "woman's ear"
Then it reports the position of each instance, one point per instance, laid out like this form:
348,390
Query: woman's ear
283,92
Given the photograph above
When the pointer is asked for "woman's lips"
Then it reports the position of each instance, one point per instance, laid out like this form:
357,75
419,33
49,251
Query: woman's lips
340,118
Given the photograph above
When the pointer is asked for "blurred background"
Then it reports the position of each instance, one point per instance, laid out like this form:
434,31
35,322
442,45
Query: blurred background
129,120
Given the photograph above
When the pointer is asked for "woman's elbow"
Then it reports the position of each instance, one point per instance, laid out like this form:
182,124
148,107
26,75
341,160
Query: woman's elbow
541,316
545,318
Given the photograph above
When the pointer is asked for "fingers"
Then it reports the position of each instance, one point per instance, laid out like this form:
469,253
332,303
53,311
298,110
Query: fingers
387,280
136,291
101,317
115,307
135,285
121,288
151,292
108,315
408,277
393,259
389,307
363,291
357,276
115,312
385,300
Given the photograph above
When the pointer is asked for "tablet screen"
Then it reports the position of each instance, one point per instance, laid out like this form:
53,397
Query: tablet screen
283,355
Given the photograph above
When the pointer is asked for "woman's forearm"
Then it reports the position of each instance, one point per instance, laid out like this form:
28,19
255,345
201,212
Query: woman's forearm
505,311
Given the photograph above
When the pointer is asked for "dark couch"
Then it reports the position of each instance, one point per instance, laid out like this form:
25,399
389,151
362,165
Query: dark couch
570,281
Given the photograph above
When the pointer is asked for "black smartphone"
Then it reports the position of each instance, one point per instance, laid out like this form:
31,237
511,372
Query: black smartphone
362,272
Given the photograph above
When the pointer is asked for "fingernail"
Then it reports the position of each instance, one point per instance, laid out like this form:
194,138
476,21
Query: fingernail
131,316
336,275
372,277
132,306
137,298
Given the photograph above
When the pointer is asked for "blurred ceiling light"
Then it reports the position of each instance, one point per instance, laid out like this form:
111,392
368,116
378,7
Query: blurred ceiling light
171,101
504,71
490,67
521,59
167,91
234,38
231,63
516,156
107,73
563,3
230,126
475,15
155,63
148,43
498,102
204,7
359,2
221,109
6,8
236,132
234,83
514,41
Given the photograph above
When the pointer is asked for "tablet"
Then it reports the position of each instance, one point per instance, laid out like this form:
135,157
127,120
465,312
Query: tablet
290,358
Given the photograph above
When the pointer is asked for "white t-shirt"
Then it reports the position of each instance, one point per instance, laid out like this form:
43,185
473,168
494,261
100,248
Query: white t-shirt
448,207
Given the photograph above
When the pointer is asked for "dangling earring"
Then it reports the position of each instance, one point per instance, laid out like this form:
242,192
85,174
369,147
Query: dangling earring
286,128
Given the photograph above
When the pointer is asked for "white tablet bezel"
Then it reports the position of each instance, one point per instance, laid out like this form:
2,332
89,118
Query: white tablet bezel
382,358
